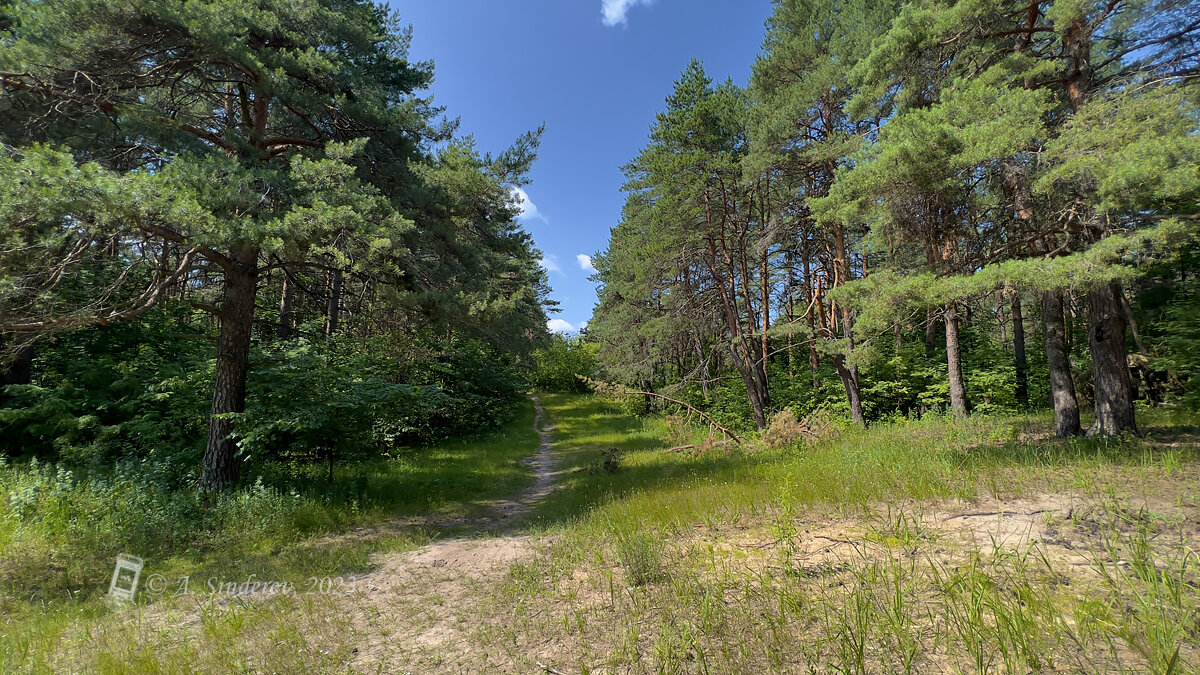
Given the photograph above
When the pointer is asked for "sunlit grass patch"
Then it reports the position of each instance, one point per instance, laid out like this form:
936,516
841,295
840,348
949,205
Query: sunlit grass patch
661,545
60,533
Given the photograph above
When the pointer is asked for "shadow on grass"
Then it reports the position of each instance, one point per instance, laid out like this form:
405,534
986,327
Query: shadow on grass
456,477
292,524
585,427
930,458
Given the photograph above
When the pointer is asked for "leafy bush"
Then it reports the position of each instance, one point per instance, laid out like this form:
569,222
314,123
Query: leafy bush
1181,338
139,390
63,526
135,389
562,365
349,399
312,401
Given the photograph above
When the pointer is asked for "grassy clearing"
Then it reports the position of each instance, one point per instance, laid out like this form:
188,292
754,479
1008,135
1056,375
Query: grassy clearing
872,551
914,600
852,555
937,457
60,533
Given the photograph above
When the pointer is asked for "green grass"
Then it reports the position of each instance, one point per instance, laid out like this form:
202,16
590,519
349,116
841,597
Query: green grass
935,457
60,532
704,563
699,560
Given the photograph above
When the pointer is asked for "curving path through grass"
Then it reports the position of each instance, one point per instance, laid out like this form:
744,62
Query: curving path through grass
406,607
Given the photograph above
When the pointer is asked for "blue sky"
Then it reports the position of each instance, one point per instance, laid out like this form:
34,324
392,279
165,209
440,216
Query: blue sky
595,72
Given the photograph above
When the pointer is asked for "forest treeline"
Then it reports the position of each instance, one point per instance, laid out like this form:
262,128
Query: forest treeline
983,205
241,231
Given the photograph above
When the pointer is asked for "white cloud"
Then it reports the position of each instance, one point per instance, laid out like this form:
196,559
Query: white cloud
550,264
613,11
585,262
529,210
559,326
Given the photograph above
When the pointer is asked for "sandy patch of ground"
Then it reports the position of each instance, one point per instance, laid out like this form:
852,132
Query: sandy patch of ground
411,610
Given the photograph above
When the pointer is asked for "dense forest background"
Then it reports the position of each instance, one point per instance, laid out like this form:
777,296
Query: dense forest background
235,235
238,238
921,207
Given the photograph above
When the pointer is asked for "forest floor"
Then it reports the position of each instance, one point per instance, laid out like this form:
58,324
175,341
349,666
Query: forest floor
977,545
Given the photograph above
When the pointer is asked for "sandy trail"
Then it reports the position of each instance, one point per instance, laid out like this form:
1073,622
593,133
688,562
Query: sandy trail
510,511
408,608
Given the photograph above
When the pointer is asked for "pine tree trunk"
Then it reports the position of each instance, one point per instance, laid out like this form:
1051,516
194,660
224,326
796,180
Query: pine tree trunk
745,368
790,308
765,280
1062,386
1019,359
849,378
284,331
744,361
958,390
930,332
814,361
764,345
334,311
1110,366
703,363
233,363
849,375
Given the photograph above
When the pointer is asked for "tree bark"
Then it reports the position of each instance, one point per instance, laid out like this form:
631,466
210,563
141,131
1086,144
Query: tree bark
1019,358
814,361
849,378
789,308
284,331
1062,385
758,406
1133,325
220,469
958,390
763,344
334,311
1110,366
848,374
931,317
744,362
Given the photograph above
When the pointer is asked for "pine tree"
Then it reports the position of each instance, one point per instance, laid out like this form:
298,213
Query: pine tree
245,140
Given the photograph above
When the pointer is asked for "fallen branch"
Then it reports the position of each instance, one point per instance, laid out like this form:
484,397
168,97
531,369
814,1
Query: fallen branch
985,514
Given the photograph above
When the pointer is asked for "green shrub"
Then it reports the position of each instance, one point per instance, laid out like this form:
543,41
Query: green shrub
563,364
140,390
134,389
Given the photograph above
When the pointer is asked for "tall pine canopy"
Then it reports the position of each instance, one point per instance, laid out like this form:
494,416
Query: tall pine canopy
247,158
902,183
